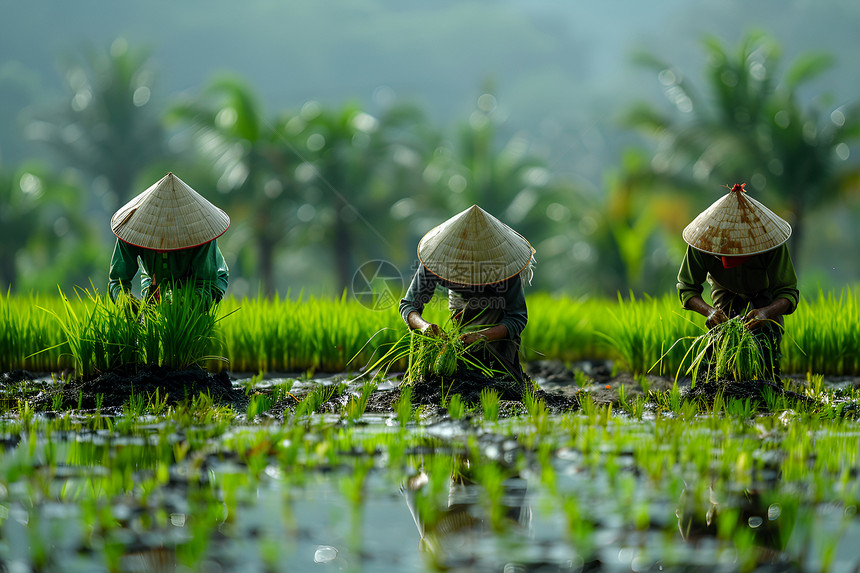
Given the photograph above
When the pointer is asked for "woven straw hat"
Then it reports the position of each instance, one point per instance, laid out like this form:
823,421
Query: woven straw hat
169,216
736,224
474,248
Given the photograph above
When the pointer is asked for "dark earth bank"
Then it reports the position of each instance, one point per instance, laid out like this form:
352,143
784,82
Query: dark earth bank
560,387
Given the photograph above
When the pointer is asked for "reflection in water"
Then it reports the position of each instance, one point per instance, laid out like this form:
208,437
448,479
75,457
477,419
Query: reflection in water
455,533
756,525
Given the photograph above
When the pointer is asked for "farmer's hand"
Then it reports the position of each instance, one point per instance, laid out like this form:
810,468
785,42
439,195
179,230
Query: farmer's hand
756,318
417,322
431,329
716,317
471,338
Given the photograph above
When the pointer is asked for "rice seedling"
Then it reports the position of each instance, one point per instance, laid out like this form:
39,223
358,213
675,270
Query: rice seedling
636,408
135,406
181,328
456,408
729,351
316,398
490,404
403,406
639,330
312,334
581,379
357,404
433,357
669,401
622,396
101,335
259,403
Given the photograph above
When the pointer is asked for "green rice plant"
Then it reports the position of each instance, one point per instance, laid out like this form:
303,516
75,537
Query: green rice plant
814,385
456,408
304,334
429,356
774,401
563,328
490,404
57,402
825,334
80,336
182,329
318,334
581,379
320,394
357,404
637,408
135,406
669,401
103,335
21,333
622,396
538,413
729,351
639,330
741,409
403,406
259,403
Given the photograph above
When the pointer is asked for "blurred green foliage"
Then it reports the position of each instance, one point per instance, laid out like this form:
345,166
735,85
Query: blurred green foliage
316,191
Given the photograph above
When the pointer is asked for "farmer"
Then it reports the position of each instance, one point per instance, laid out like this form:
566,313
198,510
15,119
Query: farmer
169,232
482,263
738,246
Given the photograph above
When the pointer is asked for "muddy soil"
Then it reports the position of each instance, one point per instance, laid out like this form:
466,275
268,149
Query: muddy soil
560,387
430,393
603,386
110,391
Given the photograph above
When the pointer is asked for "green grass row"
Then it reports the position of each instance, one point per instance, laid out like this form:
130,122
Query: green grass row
336,334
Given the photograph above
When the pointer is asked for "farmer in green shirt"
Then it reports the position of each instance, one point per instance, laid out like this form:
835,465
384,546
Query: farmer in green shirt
169,233
482,263
738,246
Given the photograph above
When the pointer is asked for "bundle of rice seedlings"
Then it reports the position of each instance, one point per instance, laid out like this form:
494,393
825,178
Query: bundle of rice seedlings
729,351
102,335
432,357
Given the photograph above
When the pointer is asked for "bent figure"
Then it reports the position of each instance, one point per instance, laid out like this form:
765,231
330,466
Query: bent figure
169,233
738,246
482,263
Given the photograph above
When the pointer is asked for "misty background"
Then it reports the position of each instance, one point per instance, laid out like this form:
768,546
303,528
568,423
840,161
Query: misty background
337,133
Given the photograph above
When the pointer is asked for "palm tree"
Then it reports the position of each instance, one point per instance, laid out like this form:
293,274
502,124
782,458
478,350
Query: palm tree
107,128
46,236
754,130
504,177
227,127
361,166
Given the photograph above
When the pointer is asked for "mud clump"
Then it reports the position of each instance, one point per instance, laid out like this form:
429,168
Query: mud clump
112,390
430,393
753,390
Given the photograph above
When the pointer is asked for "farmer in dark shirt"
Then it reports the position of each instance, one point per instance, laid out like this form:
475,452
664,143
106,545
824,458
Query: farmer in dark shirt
482,263
169,233
738,246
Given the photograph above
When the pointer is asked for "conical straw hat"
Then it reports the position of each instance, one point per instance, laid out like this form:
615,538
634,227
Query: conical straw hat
736,224
168,216
474,248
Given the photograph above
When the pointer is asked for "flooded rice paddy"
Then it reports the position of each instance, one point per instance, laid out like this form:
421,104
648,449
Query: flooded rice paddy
631,476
